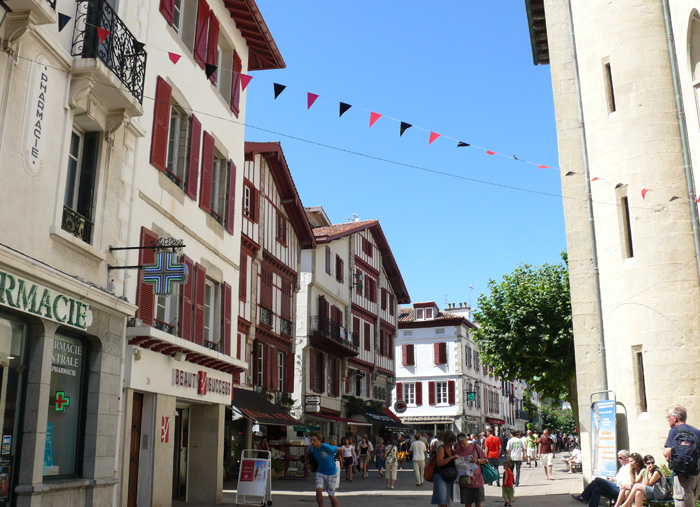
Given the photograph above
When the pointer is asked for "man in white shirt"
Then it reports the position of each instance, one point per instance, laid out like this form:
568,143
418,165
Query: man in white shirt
418,452
514,451
609,487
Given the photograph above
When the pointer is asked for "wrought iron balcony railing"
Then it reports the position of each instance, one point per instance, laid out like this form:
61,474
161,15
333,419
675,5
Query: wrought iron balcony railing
119,51
52,4
265,316
286,327
522,415
76,224
332,330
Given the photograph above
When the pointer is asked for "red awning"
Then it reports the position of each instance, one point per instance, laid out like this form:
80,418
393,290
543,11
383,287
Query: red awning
260,410
493,420
339,419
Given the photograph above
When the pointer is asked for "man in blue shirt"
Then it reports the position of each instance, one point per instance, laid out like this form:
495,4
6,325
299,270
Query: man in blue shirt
686,488
326,474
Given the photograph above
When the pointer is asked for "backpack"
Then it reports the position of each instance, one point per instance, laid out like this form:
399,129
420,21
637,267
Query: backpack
685,453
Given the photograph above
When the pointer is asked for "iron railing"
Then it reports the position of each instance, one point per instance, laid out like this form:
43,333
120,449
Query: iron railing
120,51
52,4
522,415
333,330
76,224
265,316
164,326
286,327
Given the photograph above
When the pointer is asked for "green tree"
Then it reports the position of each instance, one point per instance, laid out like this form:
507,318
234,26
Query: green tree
525,329
558,420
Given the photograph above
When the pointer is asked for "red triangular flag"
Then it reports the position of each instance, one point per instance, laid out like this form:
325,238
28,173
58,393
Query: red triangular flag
245,80
102,34
697,200
488,152
596,178
540,166
310,99
373,117
433,136
174,57
645,191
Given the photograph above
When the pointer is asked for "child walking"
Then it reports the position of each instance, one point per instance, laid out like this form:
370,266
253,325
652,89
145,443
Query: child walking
507,489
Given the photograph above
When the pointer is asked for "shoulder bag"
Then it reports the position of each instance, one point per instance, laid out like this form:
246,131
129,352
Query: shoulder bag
448,472
489,473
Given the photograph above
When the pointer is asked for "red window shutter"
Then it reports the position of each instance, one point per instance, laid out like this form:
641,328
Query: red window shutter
226,319
243,282
289,373
239,338
200,278
213,43
167,8
236,84
186,300
266,288
443,353
404,355
399,391
419,393
256,205
367,336
436,353
356,331
328,260
321,310
391,304
193,159
145,298
431,393
322,373
273,368
161,124
207,172
200,38
383,299
451,392
336,392
231,197
312,370
412,355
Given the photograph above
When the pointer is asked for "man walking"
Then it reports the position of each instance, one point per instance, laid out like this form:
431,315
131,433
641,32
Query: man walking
610,487
545,450
418,452
493,451
686,487
514,452
531,448
326,474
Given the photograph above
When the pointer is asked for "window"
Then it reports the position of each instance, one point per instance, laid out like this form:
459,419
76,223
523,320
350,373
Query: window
79,199
65,424
177,15
281,232
210,336
367,247
440,353
429,313
166,311
359,284
261,365
419,314
384,298
243,282
641,383
409,393
250,201
468,356
409,354
370,289
368,336
360,383
318,372
339,269
328,260
280,371
441,393
330,381
356,331
609,90
391,304
219,184
176,162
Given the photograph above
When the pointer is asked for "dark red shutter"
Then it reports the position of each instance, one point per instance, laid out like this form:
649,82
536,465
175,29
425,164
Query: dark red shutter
431,393
243,282
419,393
200,279
356,331
144,293
383,298
193,158
436,353
321,309
167,8
312,370
236,84
368,337
391,304
266,288
272,362
411,355
200,38
404,355
239,338
207,172
226,319
443,353
451,392
161,124
328,259
321,372
399,391
213,43
186,300
289,373
231,197
336,390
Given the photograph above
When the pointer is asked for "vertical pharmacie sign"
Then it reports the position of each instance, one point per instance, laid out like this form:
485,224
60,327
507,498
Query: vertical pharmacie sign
42,97
26,296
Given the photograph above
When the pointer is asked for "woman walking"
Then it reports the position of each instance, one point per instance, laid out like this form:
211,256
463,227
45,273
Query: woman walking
379,456
445,471
349,457
365,456
471,489
392,463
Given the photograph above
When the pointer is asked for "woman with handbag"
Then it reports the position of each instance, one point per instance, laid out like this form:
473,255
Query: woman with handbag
471,489
445,471
392,462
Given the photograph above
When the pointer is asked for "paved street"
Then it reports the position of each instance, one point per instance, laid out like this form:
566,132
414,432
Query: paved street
534,491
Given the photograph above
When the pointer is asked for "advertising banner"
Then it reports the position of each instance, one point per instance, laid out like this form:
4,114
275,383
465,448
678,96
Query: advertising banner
252,480
603,438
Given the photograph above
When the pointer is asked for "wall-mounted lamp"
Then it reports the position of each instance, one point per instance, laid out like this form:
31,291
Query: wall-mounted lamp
357,278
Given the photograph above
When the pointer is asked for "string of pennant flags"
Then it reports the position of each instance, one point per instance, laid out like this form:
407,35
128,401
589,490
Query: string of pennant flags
311,98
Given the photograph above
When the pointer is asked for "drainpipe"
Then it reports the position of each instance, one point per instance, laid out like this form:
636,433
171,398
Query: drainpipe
687,163
589,200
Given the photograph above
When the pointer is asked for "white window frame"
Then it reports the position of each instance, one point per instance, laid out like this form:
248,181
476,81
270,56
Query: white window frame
177,15
280,371
77,159
167,309
441,394
247,201
176,159
419,313
409,393
429,314
261,365
210,312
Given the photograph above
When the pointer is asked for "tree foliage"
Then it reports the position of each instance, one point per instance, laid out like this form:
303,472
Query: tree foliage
558,420
525,329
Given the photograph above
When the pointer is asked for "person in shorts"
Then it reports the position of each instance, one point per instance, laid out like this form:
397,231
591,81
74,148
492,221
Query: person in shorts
545,450
326,474
531,446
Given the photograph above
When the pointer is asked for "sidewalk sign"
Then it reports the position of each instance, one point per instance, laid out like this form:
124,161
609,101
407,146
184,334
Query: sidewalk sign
254,478
603,435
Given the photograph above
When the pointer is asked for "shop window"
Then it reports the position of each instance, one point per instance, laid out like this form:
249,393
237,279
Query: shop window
65,424
81,180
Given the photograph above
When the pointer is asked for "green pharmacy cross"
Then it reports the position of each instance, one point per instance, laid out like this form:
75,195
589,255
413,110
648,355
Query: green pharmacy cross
62,401
164,273
471,395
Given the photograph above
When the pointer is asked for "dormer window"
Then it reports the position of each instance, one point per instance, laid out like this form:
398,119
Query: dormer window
428,313
419,314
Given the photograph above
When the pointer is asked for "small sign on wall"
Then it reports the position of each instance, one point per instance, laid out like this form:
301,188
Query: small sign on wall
165,430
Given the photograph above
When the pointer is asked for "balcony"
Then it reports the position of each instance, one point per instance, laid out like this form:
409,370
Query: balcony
332,337
76,224
286,327
522,415
119,56
265,316
41,12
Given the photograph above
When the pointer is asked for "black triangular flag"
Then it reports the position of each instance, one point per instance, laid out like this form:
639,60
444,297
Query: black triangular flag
673,198
63,20
343,108
460,144
138,47
279,89
209,69
404,126
570,173
515,158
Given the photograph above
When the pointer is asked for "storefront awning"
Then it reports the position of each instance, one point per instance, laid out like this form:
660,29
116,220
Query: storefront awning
382,419
254,406
397,422
339,419
493,420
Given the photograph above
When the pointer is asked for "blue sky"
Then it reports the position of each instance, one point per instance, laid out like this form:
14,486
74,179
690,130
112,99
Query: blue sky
462,69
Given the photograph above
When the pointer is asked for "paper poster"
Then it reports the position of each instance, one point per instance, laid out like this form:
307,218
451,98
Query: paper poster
6,444
603,439
253,477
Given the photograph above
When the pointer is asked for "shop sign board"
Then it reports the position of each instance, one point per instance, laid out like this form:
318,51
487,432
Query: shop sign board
603,438
312,403
26,296
253,477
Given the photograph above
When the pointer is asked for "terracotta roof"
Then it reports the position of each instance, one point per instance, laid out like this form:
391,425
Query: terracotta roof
335,231
263,53
408,316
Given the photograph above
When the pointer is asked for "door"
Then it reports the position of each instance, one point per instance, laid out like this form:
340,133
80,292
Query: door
135,447
182,428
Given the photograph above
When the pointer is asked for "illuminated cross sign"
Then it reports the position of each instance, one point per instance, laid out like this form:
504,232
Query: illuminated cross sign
471,396
62,401
164,273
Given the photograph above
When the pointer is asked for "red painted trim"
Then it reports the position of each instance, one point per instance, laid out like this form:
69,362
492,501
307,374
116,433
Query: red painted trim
266,336
249,245
359,263
277,266
385,372
430,304
383,324
359,364
243,325
362,312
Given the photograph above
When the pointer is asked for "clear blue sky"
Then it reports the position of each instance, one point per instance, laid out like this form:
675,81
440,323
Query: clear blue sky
461,68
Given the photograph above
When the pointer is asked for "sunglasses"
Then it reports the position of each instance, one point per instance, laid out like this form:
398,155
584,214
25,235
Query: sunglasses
649,463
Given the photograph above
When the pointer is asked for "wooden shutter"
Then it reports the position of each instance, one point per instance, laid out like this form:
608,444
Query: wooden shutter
167,9
207,172
336,387
356,331
231,197
436,353
321,309
186,300
213,44
443,353
451,392
322,372
368,336
200,286
383,298
161,124
312,370
286,309
399,391
272,363
145,298
193,157
419,393
289,373
200,38
226,319
404,355
236,84
411,355
328,260
431,393
391,304
266,288
243,282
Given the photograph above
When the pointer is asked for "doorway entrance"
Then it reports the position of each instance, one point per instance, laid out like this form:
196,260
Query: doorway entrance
180,458
135,449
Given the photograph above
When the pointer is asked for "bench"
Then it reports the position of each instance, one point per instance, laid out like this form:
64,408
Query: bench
662,503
